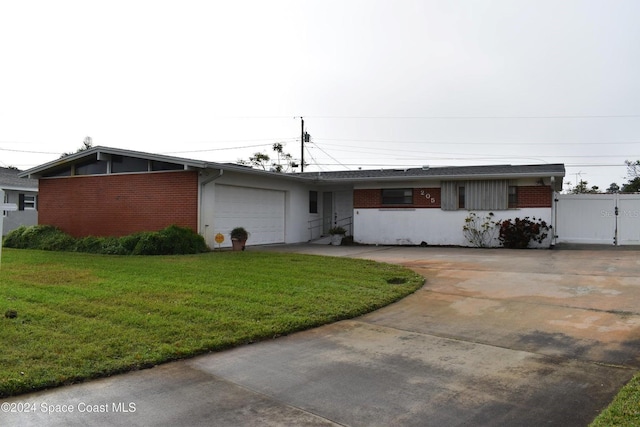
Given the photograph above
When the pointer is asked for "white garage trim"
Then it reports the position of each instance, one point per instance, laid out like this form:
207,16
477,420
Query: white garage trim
261,212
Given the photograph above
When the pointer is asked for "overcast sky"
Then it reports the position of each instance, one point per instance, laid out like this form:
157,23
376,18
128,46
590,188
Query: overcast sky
380,83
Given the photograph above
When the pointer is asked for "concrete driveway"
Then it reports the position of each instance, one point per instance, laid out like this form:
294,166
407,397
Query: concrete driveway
495,337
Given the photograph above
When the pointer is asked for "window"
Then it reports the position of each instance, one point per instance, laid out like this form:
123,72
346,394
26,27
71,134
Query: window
165,166
513,196
461,198
475,195
120,164
313,202
6,200
91,167
397,196
66,171
26,202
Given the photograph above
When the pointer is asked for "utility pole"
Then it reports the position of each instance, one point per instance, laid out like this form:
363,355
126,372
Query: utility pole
302,144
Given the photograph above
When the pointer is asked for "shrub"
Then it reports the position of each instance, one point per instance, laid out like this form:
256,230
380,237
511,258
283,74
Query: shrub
13,239
517,234
239,233
337,230
89,244
182,240
113,246
151,243
480,232
44,237
171,240
130,241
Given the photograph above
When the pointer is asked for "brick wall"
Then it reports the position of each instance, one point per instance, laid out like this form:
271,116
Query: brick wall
535,196
372,198
117,205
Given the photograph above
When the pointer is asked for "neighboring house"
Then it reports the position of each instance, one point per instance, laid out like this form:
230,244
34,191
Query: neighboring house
23,193
107,191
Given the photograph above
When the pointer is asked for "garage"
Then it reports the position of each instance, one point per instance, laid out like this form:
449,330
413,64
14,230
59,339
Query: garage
258,210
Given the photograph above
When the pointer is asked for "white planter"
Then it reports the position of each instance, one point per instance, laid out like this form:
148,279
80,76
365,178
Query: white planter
336,239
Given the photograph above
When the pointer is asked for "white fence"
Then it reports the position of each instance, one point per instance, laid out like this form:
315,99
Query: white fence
598,218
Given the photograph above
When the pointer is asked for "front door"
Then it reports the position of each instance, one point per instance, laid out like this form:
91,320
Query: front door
337,209
327,211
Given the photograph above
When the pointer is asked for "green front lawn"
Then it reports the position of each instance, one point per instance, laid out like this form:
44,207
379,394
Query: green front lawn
83,316
625,408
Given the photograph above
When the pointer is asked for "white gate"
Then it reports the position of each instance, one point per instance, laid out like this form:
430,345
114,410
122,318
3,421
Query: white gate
598,218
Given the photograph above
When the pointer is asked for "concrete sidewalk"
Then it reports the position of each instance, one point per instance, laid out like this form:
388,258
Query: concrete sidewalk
495,337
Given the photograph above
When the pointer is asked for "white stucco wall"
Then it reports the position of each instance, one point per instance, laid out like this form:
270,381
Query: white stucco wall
15,219
433,226
297,214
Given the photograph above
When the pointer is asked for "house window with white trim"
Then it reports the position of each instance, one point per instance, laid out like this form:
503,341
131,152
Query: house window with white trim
27,202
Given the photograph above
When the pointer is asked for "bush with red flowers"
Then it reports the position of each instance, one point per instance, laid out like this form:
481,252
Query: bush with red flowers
518,233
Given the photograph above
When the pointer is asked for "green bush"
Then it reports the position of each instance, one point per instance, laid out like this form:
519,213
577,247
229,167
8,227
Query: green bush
129,242
113,246
13,239
44,237
152,243
181,240
169,241
89,244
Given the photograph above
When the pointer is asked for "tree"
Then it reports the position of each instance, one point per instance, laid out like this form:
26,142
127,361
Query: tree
613,188
283,163
583,188
633,174
633,169
87,143
633,186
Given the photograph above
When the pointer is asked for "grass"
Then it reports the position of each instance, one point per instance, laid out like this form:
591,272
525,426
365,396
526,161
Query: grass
625,408
82,316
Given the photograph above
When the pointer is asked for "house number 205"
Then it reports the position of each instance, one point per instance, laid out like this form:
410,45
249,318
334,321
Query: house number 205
427,196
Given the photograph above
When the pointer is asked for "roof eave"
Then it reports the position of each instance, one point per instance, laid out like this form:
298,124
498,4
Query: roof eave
38,170
462,177
188,163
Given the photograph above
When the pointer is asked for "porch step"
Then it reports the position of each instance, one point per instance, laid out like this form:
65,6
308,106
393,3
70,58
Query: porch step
325,240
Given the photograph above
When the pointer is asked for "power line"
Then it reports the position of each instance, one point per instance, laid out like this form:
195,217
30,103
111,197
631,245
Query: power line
29,152
215,149
518,143
598,116
422,154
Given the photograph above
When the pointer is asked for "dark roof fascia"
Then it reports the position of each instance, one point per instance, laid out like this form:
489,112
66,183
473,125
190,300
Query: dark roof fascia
188,163
71,158
319,178
433,174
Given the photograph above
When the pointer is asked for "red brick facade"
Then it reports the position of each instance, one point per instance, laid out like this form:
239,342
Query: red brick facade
535,196
117,205
372,198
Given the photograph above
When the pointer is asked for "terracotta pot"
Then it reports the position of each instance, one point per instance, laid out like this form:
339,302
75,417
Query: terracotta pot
238,245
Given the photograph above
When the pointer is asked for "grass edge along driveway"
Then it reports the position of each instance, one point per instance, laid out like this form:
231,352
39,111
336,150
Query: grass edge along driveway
83,316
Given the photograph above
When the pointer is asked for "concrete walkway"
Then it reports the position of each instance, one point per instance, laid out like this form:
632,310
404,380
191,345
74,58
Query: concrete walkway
495,337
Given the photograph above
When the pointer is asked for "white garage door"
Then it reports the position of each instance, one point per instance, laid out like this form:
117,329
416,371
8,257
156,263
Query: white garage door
260,211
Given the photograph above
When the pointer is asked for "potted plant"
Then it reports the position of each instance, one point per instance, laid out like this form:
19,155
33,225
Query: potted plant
337,234
239,238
